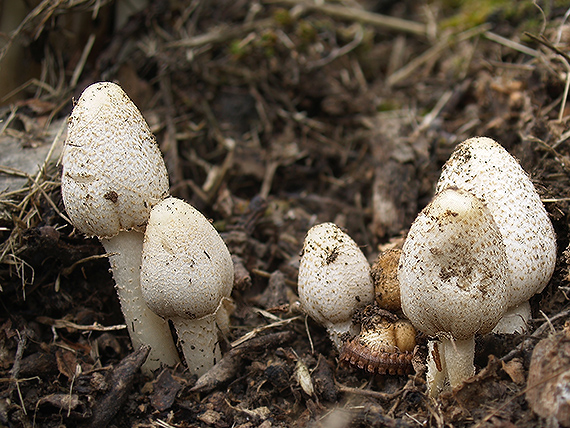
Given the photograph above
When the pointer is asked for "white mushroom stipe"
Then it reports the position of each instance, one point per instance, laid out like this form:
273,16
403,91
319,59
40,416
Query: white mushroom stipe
515,320
186,273
484,168
144,326
113,173
454,277
334,280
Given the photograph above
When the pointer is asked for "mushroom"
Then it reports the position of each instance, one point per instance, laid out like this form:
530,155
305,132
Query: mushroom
334,280
186,274
113,173
484,168
454,281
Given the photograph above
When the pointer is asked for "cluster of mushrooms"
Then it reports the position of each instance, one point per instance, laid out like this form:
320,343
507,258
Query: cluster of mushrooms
470,263
167,260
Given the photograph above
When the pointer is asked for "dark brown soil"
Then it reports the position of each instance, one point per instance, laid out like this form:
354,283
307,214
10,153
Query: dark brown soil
274,116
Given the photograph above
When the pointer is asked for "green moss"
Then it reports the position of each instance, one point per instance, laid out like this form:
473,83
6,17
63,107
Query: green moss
469,13
465,14
388,105
237,50
282,17
306,32
267,43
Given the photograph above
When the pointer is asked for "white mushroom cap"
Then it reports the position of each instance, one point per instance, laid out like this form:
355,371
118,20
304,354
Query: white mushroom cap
334,279
484,168
113,171
453,270
186,269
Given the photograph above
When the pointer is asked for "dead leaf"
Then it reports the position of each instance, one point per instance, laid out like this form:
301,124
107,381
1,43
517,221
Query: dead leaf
66,363
515,370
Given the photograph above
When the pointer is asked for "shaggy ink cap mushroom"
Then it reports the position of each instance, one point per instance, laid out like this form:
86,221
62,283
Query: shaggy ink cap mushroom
186,274
113,173
484,168
454,280
334,280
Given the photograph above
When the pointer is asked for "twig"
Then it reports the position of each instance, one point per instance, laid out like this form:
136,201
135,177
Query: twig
81,64
536,334
221,34
543,41
68,324
121,380
15,371
367,392
264,274
511,44
338,52
253,333
432,115
436,50
68,270
565,60
358,15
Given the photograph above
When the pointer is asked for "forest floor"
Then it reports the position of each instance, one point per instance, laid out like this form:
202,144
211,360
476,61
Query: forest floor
274,116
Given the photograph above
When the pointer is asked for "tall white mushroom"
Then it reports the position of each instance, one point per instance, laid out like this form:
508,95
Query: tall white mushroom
113,174
186,274
454,281
495,262
484,168
334,280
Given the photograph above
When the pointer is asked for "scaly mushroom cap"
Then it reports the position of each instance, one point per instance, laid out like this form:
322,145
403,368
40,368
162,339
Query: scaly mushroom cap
453,270
484,168
186,268
113,171
334,276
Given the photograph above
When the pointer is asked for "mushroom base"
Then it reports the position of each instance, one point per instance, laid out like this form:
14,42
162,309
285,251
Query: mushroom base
450,363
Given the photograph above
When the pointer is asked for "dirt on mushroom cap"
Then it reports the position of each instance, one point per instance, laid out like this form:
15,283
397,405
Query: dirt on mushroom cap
453,270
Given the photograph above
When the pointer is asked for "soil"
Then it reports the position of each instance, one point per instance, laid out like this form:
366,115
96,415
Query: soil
274,116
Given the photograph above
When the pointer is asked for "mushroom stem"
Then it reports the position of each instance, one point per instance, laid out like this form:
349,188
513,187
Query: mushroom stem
458,356
515,320
199,343
450,363
144,326
436,369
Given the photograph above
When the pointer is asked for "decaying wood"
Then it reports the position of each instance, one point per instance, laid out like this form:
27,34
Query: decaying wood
121,380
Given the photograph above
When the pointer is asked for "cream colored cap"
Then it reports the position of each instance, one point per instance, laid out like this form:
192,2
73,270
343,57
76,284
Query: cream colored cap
113,171
186,266
484,168
334,276
453,271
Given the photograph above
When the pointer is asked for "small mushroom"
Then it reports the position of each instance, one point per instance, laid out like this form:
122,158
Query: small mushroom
186,275
484,168
334,280
113,174
454,281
